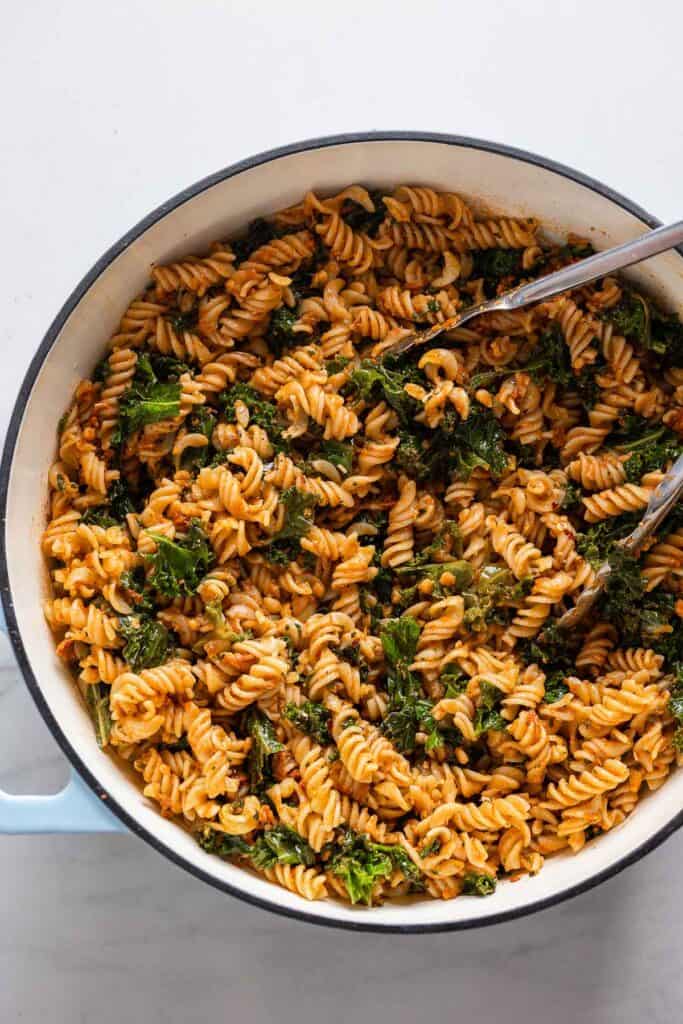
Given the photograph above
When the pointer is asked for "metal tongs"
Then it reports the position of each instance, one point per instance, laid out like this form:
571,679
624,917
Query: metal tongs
669,490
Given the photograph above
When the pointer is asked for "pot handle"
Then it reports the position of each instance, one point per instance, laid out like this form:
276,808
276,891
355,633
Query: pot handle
74,809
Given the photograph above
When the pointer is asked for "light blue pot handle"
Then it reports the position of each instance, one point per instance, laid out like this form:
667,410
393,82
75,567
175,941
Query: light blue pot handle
75,809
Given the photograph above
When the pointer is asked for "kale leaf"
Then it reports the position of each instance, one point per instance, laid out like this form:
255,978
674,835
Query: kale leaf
399,641
283,547
465,444
631,317
675,705
598,539
280,333
113,513
497,587
649,446
555,687
487,717
97,701
621,600
376,380
666,337
262,412
478,884
203,421
360,219
259,232
99,515
409,711
339,453
311,718
360,863
148,642
221,844
179,565
280,845
548,360
147,400
263,744
494,265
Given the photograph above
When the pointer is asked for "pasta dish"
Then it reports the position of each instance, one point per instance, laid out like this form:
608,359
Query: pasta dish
310,591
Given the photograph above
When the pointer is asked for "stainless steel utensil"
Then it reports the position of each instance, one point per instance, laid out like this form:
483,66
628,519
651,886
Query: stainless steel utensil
662,500
576,274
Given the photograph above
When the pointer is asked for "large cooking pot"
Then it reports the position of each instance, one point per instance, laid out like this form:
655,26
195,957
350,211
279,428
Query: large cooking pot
100,796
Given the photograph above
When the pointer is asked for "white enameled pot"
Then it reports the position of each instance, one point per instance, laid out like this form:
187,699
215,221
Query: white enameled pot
503,179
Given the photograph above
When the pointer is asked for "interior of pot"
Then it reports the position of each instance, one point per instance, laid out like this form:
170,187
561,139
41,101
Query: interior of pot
503,183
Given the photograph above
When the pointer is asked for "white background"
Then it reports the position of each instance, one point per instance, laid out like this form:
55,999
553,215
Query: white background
107,110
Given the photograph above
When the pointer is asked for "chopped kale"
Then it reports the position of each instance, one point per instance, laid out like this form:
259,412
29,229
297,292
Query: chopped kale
113,513
371,381
135,582
496,588
148,642
164,368
360,219
339,453
631,317
186,321
555,687
638,320
494,265
97,700
200,422
179,565
620,602
280,845
221,844
598,539
263,745
120,500
259,233
411,715
553,649
410,455
99,515
454,679
283,546
399,641
280,333
476,441
476,884
675,705
262,412
649,446
409,711
657,626
666,337
147,400
336,364
571,499
311,718
487,717
360,863
549,360
587,385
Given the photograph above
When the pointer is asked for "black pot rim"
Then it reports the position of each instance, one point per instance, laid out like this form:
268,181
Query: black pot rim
363,924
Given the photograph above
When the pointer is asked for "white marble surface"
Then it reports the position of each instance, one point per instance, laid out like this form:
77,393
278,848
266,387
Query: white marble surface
108,110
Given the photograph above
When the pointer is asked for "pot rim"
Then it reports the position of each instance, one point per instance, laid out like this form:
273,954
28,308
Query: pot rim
363,924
